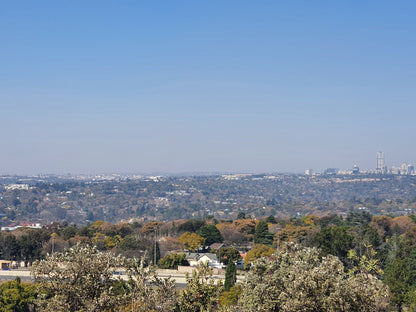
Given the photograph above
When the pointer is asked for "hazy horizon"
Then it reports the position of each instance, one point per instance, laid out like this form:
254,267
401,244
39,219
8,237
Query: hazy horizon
90,87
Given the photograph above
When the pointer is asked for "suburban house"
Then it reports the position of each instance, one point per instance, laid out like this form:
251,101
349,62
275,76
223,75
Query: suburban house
195,259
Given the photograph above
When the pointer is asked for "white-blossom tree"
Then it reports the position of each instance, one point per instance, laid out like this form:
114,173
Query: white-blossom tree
82,279
298,279
78,279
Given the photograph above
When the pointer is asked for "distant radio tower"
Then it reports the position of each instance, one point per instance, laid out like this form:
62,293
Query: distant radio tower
381,167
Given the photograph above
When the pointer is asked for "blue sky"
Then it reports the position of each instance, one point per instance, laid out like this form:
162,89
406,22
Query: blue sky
202,86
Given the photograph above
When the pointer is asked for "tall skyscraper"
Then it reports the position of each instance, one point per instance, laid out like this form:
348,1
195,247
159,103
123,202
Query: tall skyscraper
381,166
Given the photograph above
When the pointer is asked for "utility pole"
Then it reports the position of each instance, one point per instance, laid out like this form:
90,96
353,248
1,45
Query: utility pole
278,240
154,251
53,235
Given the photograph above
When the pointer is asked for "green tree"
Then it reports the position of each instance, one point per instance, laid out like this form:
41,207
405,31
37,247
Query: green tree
172,261
396,276
155,253
271,219
69,232
211,234
230,276
400,276
201,293
262,234
193,225
359,218
16,296
334,240
8,246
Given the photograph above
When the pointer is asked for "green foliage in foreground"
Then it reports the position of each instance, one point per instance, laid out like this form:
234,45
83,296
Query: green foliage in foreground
82,279
297,279
16,296
79,279
230,276
201,294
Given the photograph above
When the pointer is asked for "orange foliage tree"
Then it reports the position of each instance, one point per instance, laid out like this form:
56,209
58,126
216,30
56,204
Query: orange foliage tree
191,241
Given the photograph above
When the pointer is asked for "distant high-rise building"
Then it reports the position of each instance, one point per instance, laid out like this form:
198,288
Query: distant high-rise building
309,172
355,169
381,166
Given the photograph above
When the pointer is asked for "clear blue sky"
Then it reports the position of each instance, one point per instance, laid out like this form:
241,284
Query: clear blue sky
185,86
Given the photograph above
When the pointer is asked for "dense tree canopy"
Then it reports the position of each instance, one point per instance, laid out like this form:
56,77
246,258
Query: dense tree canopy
334,240
228,254
211,234
16,296
298,279
262,234
191,241
384,243
258,251
79,279
173,260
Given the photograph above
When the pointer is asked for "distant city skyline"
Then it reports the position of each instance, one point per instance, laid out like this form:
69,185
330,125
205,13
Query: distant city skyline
276,86
380,167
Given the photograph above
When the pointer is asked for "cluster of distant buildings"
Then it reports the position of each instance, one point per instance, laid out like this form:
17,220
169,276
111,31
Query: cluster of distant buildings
21,224
381,168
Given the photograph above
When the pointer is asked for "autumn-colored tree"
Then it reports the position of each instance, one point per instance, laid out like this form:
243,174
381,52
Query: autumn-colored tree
246,226
383,225
410,236
228,254
403,224
108,229
55,244
97,225
151,227
112,241
291,233
223,225
310,220
191,241
232,236
258,251
168,244
123,229
79,240
99,240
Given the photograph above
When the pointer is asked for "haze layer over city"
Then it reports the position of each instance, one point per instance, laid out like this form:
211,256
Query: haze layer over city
225,87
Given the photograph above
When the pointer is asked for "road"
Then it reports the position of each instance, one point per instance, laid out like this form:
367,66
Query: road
180,280
7,275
